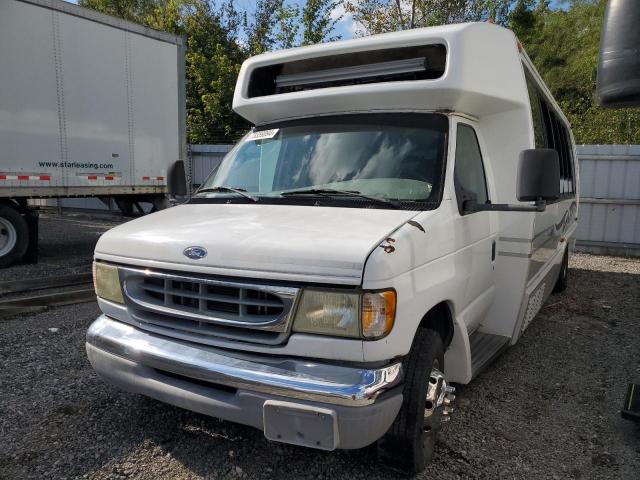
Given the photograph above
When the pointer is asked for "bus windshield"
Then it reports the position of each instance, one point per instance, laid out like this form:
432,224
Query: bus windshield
394,157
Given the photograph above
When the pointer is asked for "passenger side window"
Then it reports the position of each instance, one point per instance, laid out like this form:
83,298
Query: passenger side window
557,138
536,114
551,132
469,178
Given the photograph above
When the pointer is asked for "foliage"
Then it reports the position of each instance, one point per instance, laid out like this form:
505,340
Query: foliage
275,25
132,10
260,32
379,16
564,47
287,18
317,23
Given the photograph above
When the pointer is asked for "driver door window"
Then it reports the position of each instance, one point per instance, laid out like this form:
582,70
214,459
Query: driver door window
469,178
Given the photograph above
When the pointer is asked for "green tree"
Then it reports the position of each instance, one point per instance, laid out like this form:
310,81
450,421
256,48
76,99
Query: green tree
379,16
317,23
275,25
133,10
522,19
288,26
564,46
260,29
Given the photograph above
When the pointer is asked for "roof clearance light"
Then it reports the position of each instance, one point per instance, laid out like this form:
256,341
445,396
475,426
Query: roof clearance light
396,67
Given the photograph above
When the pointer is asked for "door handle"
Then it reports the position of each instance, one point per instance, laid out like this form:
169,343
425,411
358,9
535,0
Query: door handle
493,251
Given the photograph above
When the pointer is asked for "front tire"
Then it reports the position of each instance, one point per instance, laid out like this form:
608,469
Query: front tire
409,444
14,236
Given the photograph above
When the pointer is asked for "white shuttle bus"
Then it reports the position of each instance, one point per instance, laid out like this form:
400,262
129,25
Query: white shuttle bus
396,218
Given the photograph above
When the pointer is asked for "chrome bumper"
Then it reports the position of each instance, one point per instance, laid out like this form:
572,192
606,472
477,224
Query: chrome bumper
284,377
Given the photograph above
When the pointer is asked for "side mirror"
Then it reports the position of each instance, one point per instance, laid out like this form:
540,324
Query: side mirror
618,66
177,180
538,175
538,182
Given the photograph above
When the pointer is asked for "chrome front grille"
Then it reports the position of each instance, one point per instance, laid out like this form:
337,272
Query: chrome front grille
239,303
205,306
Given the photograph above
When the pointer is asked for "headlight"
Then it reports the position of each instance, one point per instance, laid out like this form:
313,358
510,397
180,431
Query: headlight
354,315
329,313
107,282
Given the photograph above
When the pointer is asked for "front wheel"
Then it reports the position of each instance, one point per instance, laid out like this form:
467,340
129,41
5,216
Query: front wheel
410,442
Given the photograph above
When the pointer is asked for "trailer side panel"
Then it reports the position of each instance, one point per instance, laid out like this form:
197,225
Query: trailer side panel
89,105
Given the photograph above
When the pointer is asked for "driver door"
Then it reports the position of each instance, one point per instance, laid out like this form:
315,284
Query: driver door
476,231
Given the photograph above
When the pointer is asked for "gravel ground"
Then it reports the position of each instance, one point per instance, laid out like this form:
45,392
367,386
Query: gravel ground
547,408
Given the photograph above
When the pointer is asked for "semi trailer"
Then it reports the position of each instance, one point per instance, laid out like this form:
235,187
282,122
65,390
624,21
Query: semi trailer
90,106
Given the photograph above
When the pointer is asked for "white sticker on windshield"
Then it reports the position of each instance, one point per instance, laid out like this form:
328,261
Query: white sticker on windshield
262,134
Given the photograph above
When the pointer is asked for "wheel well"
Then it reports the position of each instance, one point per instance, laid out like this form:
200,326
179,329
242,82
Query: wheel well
439,318
9,202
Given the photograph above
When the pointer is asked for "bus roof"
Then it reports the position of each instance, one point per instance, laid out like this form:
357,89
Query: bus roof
472,68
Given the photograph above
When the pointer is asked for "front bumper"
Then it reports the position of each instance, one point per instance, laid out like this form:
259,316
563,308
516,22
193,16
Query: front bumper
295,401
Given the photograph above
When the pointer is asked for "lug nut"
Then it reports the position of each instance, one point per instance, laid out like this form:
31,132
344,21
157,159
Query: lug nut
450,397
450,389
448,410
444,419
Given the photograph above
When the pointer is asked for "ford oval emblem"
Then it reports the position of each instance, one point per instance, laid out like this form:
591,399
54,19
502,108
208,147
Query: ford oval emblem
195,253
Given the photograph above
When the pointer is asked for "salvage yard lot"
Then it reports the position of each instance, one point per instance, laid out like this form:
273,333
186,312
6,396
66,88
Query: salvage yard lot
547,408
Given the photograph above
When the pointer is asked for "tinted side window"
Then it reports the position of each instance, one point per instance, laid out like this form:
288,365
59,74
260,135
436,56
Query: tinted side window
550,132
469,177
557,137
568,179
536,114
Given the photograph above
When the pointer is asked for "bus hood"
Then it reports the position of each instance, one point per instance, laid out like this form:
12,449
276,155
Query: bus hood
299,243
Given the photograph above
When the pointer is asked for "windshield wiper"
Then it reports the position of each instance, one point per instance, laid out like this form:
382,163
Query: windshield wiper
222,188
329,192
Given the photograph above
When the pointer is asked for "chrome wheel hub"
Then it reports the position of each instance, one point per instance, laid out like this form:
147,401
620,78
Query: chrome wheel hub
8,236
439,398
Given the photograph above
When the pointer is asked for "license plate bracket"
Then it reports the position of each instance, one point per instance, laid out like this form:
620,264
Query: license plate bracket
300,424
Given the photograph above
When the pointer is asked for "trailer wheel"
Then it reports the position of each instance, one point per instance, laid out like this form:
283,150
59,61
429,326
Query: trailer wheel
14,236
563,276
409,444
